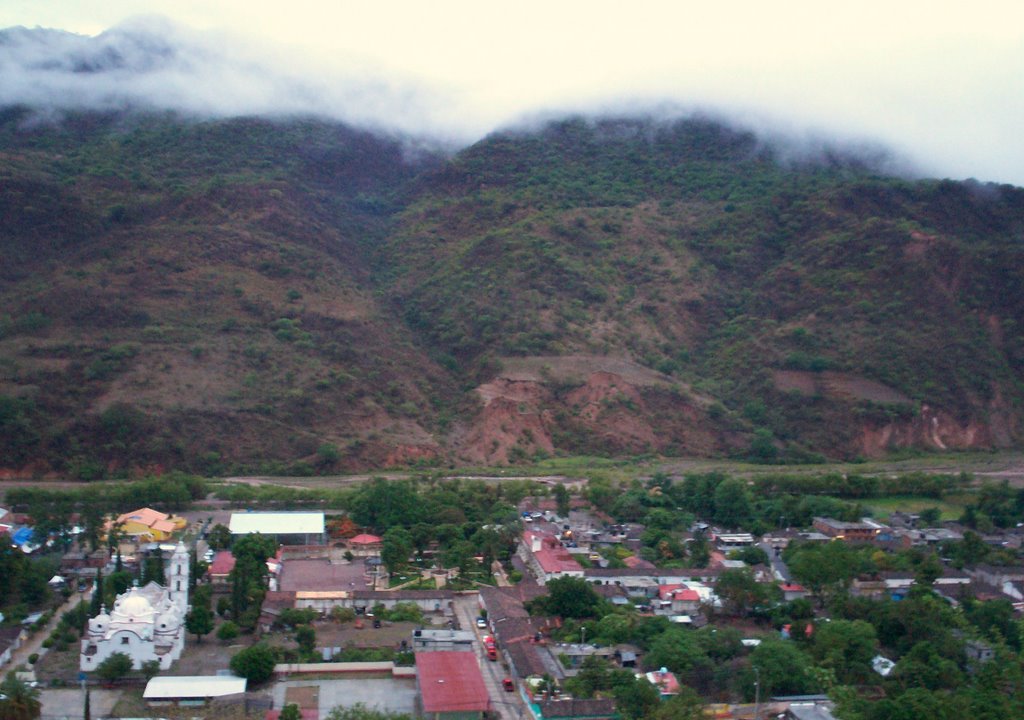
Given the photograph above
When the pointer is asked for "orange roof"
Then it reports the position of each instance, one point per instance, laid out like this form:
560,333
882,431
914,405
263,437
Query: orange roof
166,526
365,539
146,516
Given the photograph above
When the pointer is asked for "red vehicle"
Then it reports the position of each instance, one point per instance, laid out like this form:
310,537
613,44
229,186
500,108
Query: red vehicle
491,647
508,685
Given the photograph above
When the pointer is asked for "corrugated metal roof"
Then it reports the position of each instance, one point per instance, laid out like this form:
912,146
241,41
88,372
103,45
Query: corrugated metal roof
193,686
451,682
283,523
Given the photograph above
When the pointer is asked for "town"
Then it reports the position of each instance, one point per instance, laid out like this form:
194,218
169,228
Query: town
694,596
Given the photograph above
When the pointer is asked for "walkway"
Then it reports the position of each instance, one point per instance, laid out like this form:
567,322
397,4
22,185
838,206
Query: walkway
35,643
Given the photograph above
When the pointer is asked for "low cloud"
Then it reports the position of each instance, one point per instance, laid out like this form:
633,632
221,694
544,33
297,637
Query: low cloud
155,63
945,108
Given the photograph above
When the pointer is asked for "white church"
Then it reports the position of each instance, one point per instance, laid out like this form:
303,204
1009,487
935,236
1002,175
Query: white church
146,623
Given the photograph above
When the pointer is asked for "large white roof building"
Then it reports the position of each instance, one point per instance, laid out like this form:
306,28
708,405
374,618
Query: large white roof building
192,687
304,527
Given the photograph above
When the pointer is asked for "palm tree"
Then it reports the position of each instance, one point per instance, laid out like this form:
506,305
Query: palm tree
18,700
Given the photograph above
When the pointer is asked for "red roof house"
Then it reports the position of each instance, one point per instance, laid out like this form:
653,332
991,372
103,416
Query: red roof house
221,567
450,682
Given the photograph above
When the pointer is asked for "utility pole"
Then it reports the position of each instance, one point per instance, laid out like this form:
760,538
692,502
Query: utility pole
757,693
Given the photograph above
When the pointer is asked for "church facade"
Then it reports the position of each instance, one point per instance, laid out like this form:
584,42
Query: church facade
146,623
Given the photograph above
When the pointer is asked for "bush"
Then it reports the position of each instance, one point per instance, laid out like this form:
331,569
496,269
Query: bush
227,631
114,667
255,664
32,658
405,612
343,614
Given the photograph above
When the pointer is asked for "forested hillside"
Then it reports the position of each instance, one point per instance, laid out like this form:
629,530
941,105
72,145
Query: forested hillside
302,296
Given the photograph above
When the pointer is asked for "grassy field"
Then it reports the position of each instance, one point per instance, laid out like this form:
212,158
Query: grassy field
983,465
951,506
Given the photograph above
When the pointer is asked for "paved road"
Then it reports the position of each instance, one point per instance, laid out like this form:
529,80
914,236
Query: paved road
507,705
779,568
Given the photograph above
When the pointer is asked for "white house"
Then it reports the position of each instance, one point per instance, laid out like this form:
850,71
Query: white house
146,623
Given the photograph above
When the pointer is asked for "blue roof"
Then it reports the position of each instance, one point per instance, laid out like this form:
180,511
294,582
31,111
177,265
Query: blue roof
22,536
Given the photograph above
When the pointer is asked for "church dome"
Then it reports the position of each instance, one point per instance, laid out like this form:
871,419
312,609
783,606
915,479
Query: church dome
135,605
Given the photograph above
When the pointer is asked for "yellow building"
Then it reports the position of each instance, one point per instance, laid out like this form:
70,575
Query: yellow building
148,525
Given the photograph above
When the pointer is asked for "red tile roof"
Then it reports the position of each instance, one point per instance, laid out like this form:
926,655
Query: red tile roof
223,563
678,592
451,682
554,560
365,539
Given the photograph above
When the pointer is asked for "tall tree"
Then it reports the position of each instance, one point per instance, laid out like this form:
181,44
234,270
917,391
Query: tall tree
396,547
199,621
18,700
96,603
562,498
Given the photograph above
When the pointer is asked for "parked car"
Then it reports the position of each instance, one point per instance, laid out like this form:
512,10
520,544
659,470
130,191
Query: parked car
481,622
508,685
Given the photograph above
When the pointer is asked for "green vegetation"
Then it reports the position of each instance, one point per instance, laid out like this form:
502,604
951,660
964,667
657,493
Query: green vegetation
328,300
255,663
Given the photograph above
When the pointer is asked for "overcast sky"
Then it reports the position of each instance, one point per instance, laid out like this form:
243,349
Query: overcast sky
939,82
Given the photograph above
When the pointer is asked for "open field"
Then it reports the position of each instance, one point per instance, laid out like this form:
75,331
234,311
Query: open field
951,506
1004,465
984,465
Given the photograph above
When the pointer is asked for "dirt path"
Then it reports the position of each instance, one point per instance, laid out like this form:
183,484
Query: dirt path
35,643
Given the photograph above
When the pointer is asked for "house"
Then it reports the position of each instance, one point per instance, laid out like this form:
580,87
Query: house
577,709
442,639
221,567
450,686
793,591
646,582
191,689
665,681
978,652
147,525
547,558
866,530
11,638
146,623
733,541
288,528
678,599
572,655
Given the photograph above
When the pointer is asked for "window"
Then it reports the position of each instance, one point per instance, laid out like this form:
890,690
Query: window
124,640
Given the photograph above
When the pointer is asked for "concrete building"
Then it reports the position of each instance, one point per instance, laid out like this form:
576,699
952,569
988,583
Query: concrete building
289,528
191,689
442,639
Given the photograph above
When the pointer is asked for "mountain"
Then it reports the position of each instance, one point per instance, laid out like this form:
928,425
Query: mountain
297,295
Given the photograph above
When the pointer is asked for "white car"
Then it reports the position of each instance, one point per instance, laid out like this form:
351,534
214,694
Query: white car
481,622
